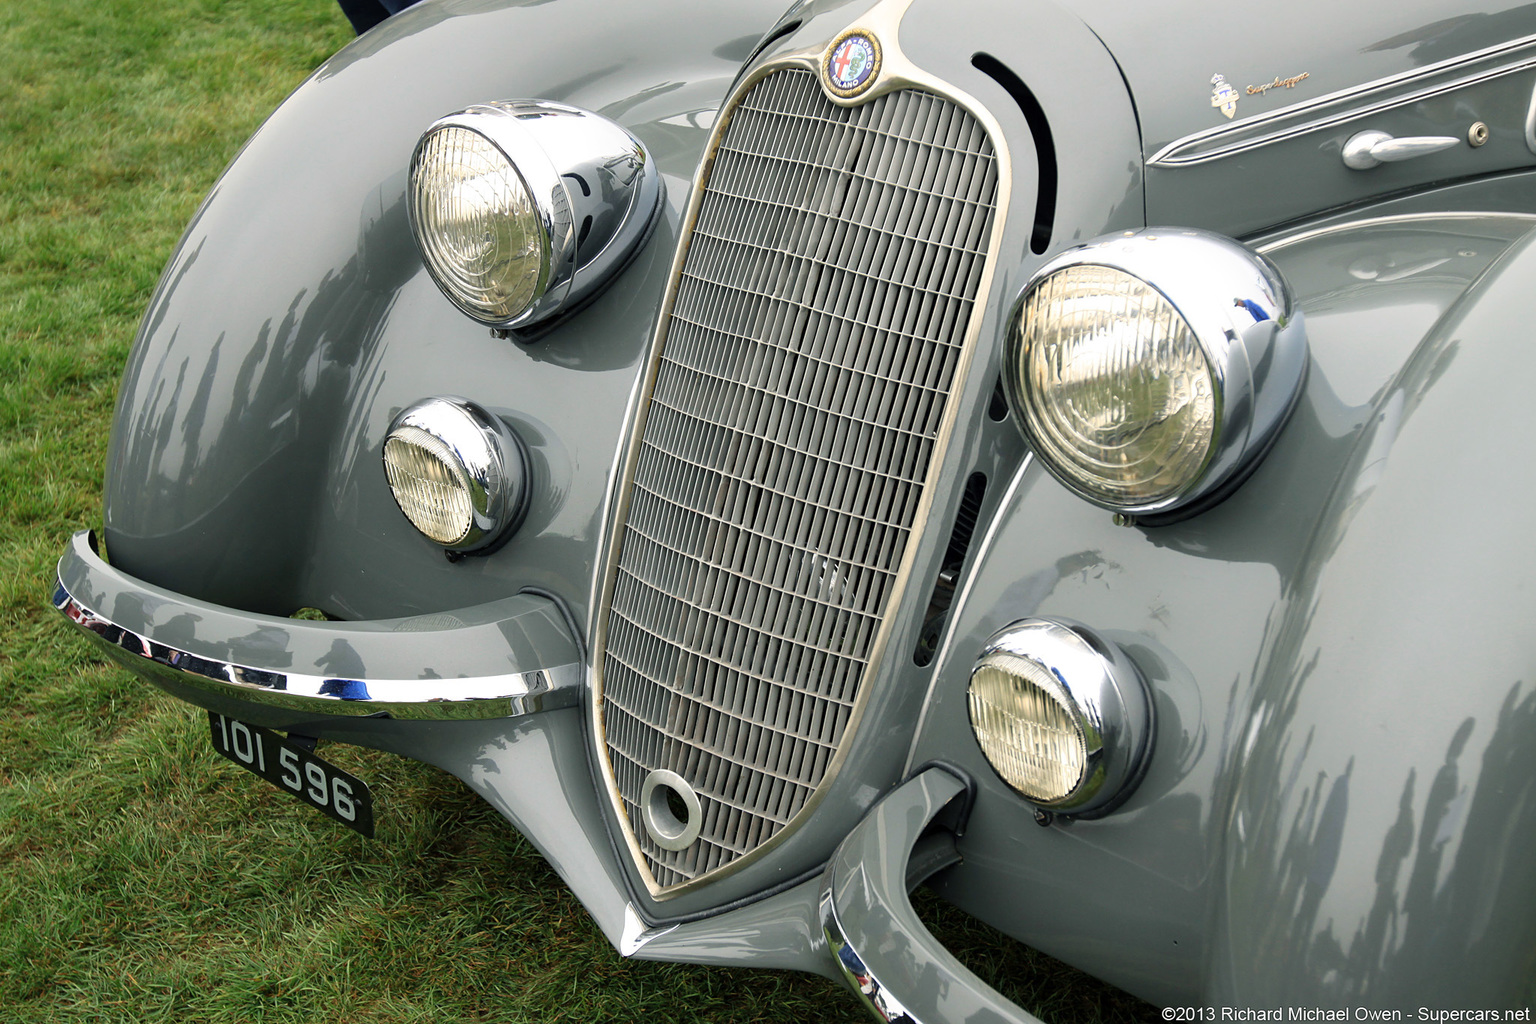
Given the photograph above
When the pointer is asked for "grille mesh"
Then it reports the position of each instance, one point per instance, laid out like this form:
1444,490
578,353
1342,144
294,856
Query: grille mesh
810,352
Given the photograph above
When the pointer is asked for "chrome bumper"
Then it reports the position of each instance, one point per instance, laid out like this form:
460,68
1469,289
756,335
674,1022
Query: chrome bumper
515,657
511,657
896,966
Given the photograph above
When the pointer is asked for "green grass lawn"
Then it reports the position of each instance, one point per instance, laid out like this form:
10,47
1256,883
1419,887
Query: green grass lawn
142,877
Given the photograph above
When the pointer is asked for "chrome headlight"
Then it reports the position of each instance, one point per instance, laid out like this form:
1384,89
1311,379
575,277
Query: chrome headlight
525,208
1151,370
1062,715
458,472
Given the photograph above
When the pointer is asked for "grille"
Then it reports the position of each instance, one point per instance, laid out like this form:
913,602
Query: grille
797,402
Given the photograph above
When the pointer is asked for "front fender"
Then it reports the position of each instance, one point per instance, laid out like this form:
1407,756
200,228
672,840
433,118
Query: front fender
1379,836
232,466
1343,615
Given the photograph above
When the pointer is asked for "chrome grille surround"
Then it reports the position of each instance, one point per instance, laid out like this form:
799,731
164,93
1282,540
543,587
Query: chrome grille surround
818,325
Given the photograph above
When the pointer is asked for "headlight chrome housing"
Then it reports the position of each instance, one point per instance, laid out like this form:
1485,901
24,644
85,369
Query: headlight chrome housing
458,472
522,209
1062,715
1150,371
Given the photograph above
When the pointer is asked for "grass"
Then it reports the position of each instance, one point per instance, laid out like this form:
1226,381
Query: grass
142,878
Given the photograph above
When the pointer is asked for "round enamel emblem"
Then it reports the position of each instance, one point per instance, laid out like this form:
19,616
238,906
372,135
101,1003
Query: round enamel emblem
852,63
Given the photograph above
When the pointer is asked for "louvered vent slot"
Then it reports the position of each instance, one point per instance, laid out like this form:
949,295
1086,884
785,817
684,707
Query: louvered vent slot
788,436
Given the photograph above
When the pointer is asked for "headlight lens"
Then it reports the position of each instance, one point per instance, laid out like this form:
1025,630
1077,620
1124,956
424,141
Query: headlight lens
1116,390
478,227
1150,371
524,208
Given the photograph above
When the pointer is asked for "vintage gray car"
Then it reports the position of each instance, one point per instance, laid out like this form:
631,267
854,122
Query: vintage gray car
778,458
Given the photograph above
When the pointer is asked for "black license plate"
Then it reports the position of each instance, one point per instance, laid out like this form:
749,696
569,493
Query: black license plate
295,770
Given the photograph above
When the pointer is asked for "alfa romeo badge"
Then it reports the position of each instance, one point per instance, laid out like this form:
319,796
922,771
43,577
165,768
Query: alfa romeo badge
852,63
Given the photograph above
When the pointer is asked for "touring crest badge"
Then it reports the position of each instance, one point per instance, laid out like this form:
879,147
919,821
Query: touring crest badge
852,63
1223,96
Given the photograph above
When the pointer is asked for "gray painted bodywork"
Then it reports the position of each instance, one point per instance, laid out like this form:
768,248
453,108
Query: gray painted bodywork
1338,801
1238,618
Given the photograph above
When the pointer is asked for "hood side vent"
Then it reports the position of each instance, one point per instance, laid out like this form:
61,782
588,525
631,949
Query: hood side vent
1045,146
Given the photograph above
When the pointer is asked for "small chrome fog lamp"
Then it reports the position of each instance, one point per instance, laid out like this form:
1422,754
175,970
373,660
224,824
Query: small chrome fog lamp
526,207
1062,715
1151,371
458,473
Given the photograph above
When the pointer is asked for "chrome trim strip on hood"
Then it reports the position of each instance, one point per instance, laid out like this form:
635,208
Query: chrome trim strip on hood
1288,122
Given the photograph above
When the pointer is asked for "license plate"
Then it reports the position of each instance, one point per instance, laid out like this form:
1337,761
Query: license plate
296,771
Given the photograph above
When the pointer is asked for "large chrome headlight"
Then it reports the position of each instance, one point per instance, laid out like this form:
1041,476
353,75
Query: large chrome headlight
1151,370
527,207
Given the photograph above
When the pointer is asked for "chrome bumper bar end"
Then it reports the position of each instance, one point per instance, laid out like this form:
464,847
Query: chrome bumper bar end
899,970
512,657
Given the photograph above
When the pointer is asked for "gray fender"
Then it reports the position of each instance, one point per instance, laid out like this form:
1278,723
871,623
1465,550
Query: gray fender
1342,616
1379,837
264,364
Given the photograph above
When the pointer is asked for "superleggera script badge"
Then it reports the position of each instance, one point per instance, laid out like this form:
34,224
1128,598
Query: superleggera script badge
1278,83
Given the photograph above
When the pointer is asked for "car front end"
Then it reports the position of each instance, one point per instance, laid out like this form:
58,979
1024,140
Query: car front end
796,456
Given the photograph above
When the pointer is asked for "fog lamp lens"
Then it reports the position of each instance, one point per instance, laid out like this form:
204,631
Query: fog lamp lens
1027,728
1062,714
458,472
429,485
1116,391
479,230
